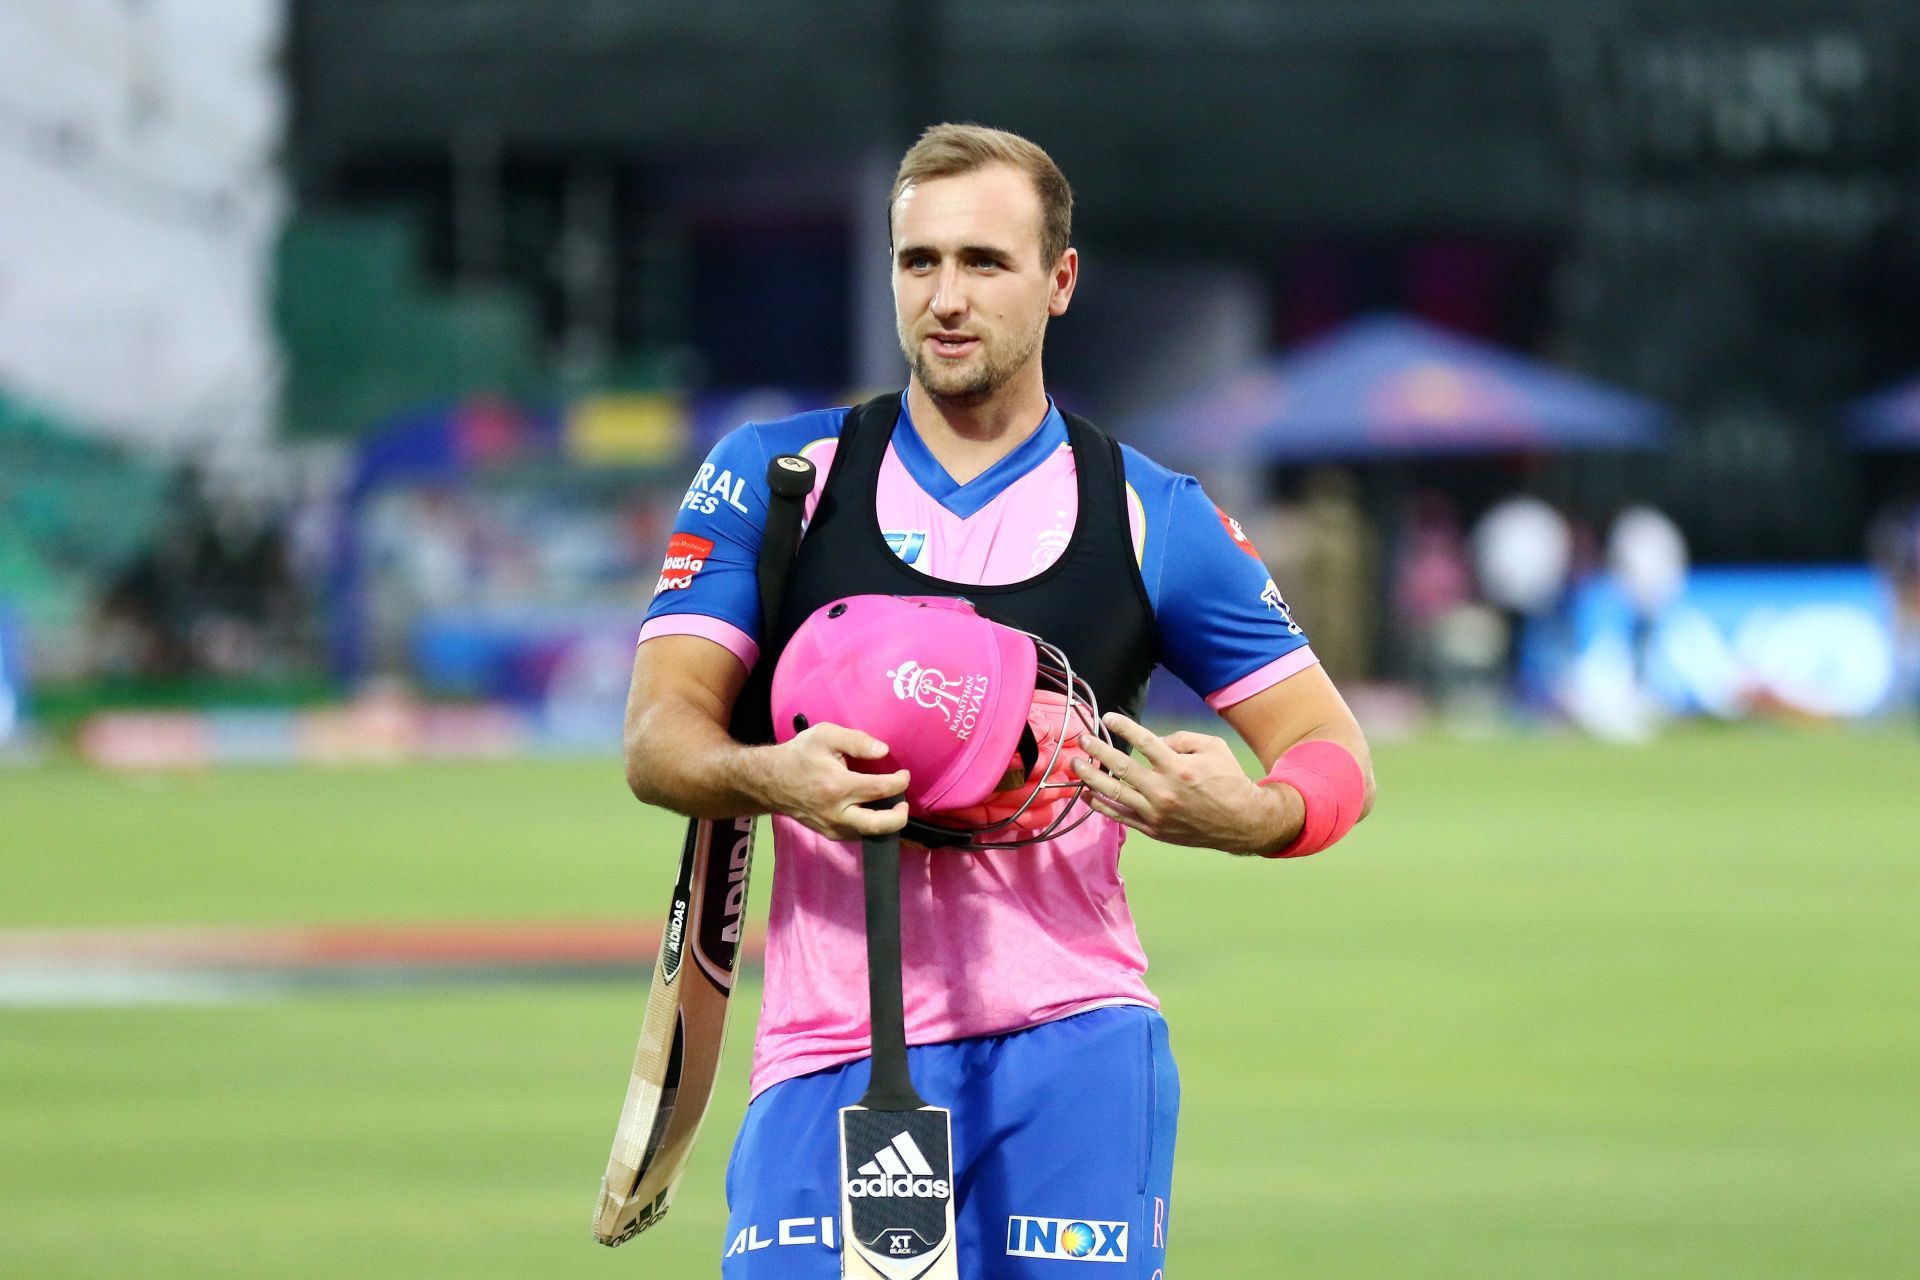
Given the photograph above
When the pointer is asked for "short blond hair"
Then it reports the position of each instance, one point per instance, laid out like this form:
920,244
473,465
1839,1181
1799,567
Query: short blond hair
949,150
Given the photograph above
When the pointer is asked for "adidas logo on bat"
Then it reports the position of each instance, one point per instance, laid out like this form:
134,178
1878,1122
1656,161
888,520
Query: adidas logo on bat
898,1169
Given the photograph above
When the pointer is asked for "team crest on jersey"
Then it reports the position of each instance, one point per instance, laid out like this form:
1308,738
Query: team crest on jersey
958,701
906,543
1052,542
1239,535
686,556
1271,597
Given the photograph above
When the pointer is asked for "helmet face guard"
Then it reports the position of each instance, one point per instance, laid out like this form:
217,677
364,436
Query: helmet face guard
986,718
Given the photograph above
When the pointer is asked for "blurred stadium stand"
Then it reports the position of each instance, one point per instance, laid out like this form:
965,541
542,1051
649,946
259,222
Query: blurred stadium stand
73,511
624,223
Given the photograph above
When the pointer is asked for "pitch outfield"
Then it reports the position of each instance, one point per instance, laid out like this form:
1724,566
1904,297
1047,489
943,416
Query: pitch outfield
1557,1010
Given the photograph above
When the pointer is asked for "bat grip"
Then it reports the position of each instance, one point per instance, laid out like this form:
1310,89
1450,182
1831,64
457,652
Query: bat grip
789,481
890,1087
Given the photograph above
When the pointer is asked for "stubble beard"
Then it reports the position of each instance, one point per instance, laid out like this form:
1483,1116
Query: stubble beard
971,386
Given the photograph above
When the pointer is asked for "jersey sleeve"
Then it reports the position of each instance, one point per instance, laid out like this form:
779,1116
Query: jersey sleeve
709,584
1225,630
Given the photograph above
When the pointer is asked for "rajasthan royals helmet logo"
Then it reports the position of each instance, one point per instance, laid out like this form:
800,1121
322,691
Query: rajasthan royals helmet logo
958,701
927,686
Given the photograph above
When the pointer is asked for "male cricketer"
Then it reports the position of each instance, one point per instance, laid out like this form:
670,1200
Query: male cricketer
1026,1009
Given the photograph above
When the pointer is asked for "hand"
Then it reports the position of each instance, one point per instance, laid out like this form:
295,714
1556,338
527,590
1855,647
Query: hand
1187,789
816,787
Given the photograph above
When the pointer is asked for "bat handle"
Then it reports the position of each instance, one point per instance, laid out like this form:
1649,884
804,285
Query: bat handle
890,1087
789,481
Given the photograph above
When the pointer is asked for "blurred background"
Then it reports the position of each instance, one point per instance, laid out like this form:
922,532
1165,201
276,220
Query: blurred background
1562,360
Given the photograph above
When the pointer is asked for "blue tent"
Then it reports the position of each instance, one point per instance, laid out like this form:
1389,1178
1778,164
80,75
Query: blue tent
1391,386
1887,419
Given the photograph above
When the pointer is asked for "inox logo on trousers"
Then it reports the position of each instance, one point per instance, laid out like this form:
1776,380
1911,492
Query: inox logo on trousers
1070,1239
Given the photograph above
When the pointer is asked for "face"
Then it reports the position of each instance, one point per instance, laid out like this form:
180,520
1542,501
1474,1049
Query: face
971,295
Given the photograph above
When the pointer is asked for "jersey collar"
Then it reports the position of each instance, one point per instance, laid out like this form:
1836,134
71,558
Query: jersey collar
965,499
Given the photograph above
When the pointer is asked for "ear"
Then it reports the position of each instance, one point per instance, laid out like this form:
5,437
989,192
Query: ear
1066,274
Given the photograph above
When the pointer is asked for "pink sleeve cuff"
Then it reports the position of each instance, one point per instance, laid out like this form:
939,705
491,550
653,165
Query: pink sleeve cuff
1288,664
725,634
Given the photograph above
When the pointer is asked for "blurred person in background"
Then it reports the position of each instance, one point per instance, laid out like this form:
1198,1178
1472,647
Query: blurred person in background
1522,555
1647,557
1025,998
1337,561
1893,544
1430,576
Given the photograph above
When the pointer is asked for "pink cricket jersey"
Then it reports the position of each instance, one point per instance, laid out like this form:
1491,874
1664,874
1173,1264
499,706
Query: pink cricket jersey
991,942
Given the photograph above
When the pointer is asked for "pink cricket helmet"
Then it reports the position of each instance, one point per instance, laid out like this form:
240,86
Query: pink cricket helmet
945,689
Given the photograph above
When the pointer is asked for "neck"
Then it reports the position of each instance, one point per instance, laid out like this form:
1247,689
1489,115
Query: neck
968,437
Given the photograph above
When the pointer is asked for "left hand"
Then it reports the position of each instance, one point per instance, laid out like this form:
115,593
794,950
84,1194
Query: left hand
1186,788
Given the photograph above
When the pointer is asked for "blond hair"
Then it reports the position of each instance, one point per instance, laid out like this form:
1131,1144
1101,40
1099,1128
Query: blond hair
949,150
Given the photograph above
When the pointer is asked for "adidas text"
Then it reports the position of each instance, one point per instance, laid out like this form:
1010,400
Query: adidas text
902,1185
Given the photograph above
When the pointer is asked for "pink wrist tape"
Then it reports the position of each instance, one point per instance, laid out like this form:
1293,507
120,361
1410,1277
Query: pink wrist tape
1332,788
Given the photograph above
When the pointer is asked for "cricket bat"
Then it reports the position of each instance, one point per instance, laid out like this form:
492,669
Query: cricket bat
683,1030
896,1151
685,1024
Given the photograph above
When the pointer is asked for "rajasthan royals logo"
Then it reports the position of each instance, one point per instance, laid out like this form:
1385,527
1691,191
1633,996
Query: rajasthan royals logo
957,701
1052,542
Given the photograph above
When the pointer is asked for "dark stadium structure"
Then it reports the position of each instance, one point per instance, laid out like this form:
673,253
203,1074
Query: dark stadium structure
1712,204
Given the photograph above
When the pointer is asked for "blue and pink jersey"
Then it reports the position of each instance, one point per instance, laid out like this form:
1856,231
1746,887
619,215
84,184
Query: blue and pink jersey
991,942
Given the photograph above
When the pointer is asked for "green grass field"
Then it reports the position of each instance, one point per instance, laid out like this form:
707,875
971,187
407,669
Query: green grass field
1557,1010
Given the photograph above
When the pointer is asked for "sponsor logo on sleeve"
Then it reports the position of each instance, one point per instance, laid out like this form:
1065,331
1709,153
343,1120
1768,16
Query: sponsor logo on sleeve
710,488
686,556
1271,597
1239,535
1066,1239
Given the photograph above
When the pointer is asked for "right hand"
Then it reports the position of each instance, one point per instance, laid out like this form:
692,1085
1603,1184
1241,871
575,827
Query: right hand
819,791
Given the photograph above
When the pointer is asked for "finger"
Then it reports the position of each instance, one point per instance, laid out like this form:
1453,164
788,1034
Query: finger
1112,788
849,742
879,786
1124,816
1157,752
877,822
1187,742
1125,778
1110,756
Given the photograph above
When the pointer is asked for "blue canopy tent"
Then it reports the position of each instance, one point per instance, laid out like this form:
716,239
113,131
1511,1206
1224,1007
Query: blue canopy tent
1394,387
1888,419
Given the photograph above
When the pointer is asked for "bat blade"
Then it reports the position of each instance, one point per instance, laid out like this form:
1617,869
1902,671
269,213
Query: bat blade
896,1194
682,1034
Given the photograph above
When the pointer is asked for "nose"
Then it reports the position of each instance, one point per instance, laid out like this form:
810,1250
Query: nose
949,297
